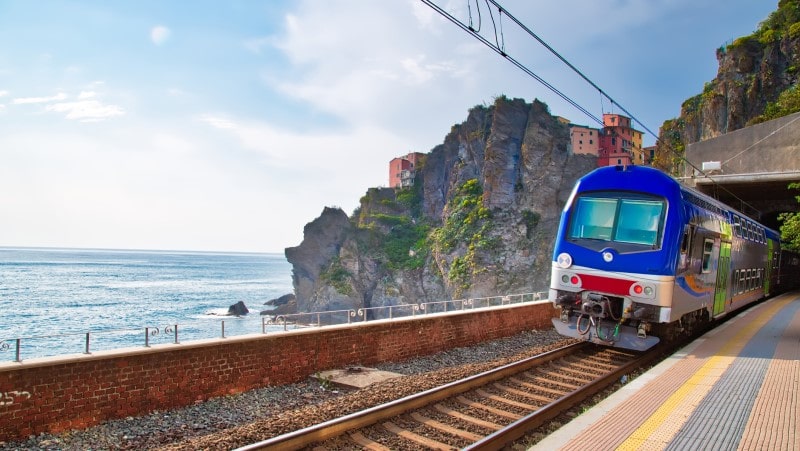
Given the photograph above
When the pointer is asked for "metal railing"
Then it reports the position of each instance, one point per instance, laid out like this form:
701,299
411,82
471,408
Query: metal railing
170,333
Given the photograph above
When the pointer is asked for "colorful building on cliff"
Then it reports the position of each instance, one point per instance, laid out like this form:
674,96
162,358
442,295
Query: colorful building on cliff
584,140
617,143
402,169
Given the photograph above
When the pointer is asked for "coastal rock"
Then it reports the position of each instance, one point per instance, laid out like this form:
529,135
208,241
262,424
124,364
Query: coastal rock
284,305
480,220
238,309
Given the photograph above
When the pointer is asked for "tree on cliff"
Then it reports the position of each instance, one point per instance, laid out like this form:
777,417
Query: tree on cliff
790,226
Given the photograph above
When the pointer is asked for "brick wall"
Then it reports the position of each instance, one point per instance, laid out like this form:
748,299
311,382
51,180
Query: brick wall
78,391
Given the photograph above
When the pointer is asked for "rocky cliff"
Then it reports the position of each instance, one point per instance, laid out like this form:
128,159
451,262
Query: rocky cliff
754,72
480,219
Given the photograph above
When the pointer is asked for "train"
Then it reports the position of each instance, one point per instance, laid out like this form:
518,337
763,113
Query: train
640,257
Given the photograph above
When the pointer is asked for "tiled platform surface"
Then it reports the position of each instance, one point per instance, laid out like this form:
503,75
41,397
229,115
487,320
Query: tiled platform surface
737,387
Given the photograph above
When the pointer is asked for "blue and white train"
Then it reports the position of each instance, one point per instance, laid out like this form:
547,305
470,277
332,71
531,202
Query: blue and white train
639,257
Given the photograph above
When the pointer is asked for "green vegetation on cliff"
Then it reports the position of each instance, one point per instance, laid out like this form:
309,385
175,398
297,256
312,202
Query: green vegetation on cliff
468,224
788,102
396,233
790,225
337,276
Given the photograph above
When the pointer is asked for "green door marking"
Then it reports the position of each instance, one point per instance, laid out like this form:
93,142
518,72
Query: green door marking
721,293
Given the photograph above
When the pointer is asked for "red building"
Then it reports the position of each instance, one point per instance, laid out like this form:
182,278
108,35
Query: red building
401,169
620,144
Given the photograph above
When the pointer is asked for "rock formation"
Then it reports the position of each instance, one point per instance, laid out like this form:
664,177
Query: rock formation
480,219
753,72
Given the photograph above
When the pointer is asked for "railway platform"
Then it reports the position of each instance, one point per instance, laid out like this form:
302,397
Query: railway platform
737,387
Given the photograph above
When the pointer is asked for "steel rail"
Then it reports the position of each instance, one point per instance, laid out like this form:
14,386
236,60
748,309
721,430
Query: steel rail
519,428
336,427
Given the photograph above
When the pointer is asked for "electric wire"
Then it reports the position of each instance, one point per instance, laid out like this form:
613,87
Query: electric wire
501,51
519,65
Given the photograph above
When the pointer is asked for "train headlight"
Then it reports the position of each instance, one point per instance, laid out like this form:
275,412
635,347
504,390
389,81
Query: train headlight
564,260
565,278
648,291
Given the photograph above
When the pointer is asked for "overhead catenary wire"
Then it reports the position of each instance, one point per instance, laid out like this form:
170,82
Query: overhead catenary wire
502,53
497,48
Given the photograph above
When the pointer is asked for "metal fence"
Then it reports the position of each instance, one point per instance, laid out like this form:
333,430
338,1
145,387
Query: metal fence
87,342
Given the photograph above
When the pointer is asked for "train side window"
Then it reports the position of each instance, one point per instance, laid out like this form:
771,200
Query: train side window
742,281
708,246
737,227
685,246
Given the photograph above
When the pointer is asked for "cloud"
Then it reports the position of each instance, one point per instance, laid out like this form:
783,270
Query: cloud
3,93
28,100
86,110
159,34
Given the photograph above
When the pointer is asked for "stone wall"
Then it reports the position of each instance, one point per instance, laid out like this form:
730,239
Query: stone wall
78,391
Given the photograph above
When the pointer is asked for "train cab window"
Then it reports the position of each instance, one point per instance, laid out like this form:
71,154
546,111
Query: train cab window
708,247
635,220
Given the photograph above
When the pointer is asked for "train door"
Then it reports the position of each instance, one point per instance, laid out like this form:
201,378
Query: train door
709,248
723,274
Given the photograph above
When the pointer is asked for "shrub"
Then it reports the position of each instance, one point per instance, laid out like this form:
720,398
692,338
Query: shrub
337,276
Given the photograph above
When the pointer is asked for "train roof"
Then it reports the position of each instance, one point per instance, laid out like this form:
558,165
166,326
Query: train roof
655,181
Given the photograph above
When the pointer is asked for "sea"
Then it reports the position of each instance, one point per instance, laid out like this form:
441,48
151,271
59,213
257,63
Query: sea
69,301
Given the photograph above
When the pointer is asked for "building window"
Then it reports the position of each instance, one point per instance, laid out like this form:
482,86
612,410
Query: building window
590,142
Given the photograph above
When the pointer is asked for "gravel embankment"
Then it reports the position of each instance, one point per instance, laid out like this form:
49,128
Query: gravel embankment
232,421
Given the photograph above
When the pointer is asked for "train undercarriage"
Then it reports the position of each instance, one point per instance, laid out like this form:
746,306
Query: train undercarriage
619,322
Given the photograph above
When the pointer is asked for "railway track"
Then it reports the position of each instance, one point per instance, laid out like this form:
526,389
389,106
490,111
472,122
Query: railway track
484,411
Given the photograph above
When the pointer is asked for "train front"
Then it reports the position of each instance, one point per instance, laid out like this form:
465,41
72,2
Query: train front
615,256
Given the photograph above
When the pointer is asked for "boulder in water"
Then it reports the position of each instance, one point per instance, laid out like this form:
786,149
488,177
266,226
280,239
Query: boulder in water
238,309
284,305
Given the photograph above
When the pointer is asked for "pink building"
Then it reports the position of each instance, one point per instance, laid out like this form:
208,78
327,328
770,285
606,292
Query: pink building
584,140
401,169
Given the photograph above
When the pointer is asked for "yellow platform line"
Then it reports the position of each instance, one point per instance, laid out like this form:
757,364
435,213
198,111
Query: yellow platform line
657,431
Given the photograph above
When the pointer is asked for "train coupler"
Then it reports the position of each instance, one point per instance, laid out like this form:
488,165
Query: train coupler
604,332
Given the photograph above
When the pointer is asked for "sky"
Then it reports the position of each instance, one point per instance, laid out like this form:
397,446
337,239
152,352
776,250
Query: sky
212,125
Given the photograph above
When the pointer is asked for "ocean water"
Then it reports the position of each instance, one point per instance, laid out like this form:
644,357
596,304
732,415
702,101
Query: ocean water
51,298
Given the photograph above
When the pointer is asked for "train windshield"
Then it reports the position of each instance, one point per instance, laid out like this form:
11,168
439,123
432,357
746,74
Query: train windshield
618,217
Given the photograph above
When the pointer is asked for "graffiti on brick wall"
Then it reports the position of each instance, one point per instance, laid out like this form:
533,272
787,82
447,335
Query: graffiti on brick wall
10,397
